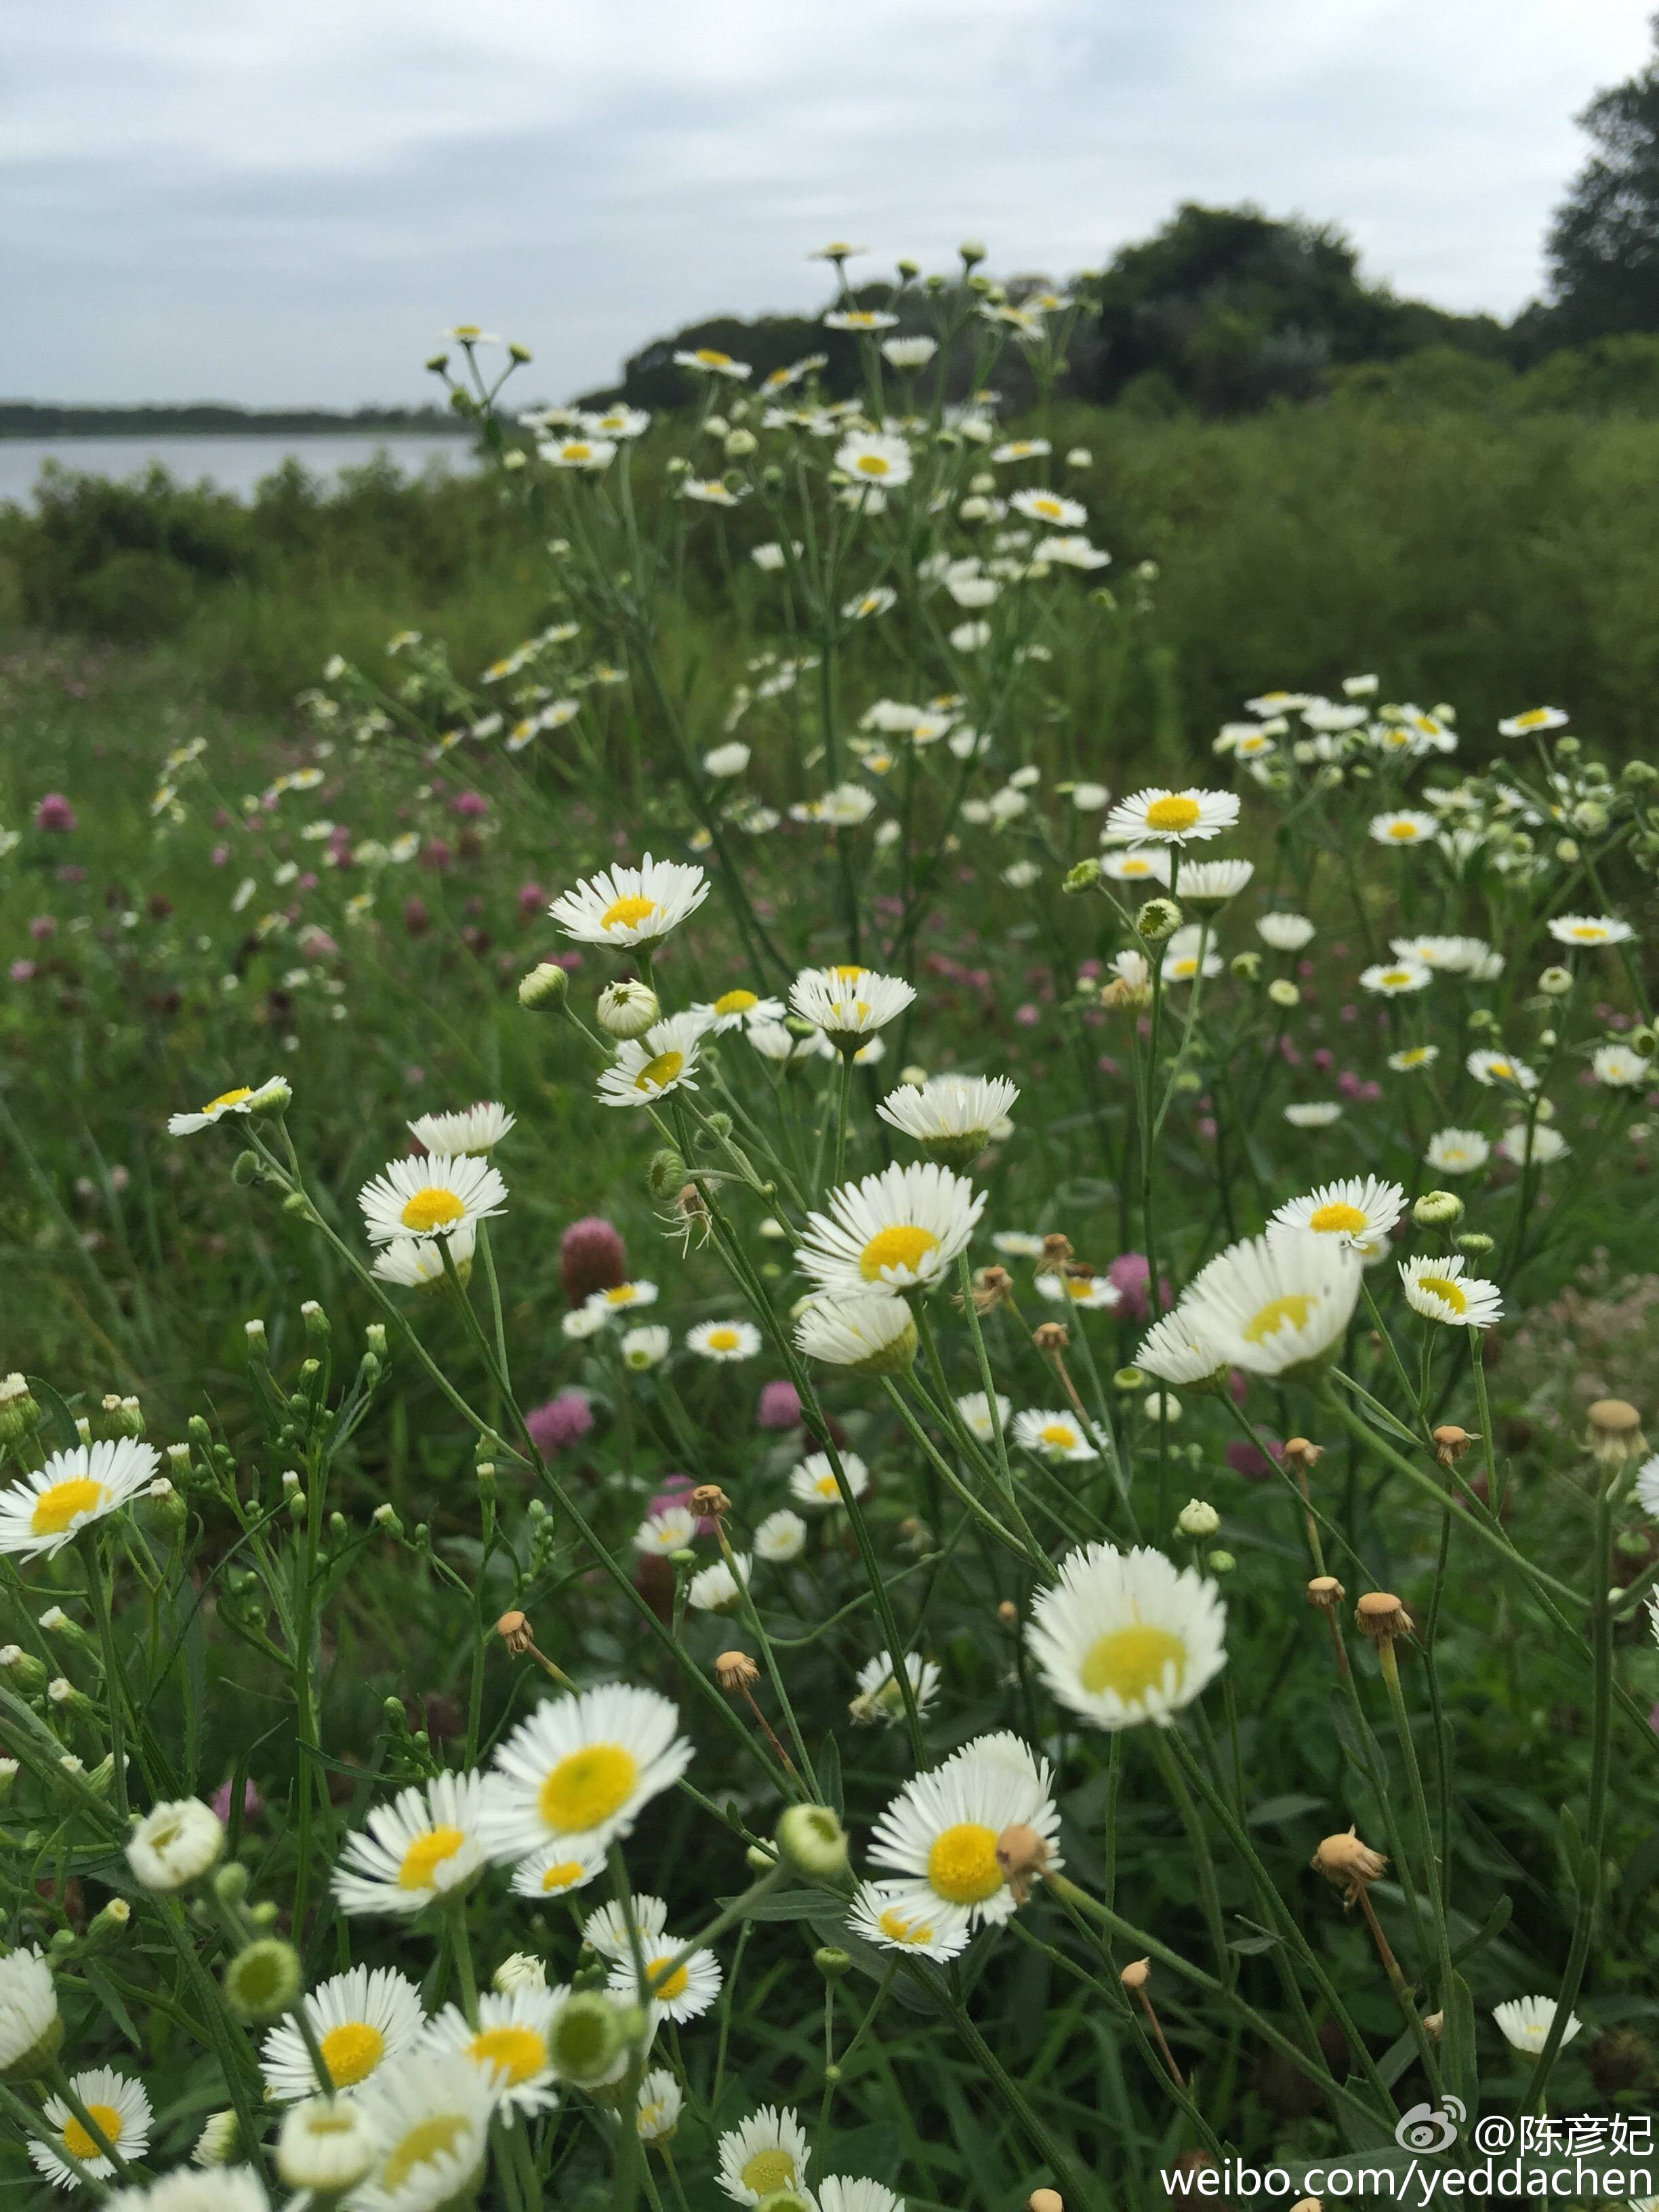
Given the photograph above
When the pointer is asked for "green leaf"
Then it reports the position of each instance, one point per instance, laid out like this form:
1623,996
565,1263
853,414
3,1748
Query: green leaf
1457,2037
1280,1812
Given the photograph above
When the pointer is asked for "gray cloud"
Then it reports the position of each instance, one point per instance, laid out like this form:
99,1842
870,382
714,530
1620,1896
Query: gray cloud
286,205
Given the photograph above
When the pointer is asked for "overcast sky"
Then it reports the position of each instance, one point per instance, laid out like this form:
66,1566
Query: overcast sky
211,198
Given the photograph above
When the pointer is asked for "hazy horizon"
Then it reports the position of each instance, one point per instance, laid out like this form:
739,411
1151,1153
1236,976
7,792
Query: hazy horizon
206,203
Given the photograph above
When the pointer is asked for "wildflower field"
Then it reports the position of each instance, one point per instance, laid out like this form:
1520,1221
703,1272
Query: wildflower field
792,1420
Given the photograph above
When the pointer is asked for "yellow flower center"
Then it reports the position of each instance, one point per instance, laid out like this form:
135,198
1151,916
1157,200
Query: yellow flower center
516,2052
671,1985
712,357
1132,1660
1443,1286
1504,1067
906,1244
424,2145
1414,1056
1291,1311
901,1929
351,2052
78,2141
1048,507
962,1864
1588,933
1080,1286
873,465
564,1876
227,1098
431,1208
1532,717
587,1786
426,1855
1133,868
769,2169
627,911
657,1075
1175,812
846,972
1338,1218
1394,978
721,1340
1059,1434
1403,832
576,451
622,1294
826,1487
736,1002
57,1508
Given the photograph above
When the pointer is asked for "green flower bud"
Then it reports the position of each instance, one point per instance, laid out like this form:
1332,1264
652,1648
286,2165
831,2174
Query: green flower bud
627,1009
832,1962
263,1981
1157,919
587,2039
1246,967
812,1838
1198,1517
545,988
1475,1243
1082,877
1436,1208
19,1412
1221,1563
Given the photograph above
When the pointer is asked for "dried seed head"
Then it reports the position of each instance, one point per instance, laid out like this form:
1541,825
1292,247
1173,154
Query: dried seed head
1136,1975
735,1670
1615,1433
1300,1456
1045,2200
514,1631
709,1498
1324,1591
992,1287
1056,1251
1348,1864
1382,1617
1022,1855
1051,1336
1450,1443
1007,1613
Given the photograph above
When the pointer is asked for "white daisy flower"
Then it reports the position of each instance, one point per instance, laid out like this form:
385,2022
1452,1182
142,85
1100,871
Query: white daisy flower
621,1297
665,1059
1499,1069
659,2107
780,1537
1050,508
860,319
619,421
1458,1151
1647,1497
626,906
1280,702
840,2192
813,1481
557,1869
431,1197
1451,955
1176,1351
1438,1289
50,1505
121,2111
709,361
1136,864
1021,449
660,1536
508,2046
888,1915
1525,2022
1395,978
871,456
1314,1114
28,2010
432,2119
1285,933
1018,1243
1531,723
586,1321
950,1115
1092,1293
580,1769
880,601
683,1994
900,1229
1070,550
417,1263
713,491
643,1348
1618,1067
718,1588
1582,931
475,1129
974,1408
1127,1637
908,354
1411,1057
774,1043
1173,818
1212,883
1277,1301
1538,1147
867,1335
941,1830
1189,953
849,1001
362,2020
738,1009
424,1847
1057,1436
327,2145
1359,1211
588,455
880,1696
724,1340
1405,828
248,1099
174,1844
768,2152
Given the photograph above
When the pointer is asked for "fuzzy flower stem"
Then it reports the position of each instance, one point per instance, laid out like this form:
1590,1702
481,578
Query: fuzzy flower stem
115,1682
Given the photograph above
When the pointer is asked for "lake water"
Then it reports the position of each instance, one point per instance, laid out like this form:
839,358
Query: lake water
234,464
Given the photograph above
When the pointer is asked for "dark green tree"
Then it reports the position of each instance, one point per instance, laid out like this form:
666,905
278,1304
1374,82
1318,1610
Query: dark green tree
1604,243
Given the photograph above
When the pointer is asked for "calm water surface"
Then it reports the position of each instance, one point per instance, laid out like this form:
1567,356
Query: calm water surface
234,464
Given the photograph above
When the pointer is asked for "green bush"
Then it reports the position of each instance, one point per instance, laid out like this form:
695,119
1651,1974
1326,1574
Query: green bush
133,597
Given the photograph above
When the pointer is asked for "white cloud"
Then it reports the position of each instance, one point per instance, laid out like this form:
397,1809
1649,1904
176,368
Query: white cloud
286,204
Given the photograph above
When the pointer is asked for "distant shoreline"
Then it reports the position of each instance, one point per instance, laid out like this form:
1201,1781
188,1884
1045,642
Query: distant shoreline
28,420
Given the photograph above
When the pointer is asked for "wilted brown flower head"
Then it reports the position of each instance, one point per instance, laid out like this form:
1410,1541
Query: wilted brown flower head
1136,1975
1450,1443
1348,1864
1324,1591
1056,1254
735,1670
1381,1616
708,1498
1051,1336
515,1633
1299,1456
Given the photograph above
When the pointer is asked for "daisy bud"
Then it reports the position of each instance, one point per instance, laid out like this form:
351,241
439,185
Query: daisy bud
972,251
586,2038
1198,1517
175,1845
1284,992
518,1970
739,443
1246,967
1129,1380
327,2145
21,1669
1157,919
1051,1336
735,1670
812,1839
628,1009
1434,2025
1615,1433
19,1412
386,1517
263,1980
1436,1208
1380,1615
1136,1975
545,988
665,1173
1161,1407
1450,1443
759,1859
832,1962
1474,1241
255,1331
1348,1864
8,1773
1082,877
514,1631
1222,1562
